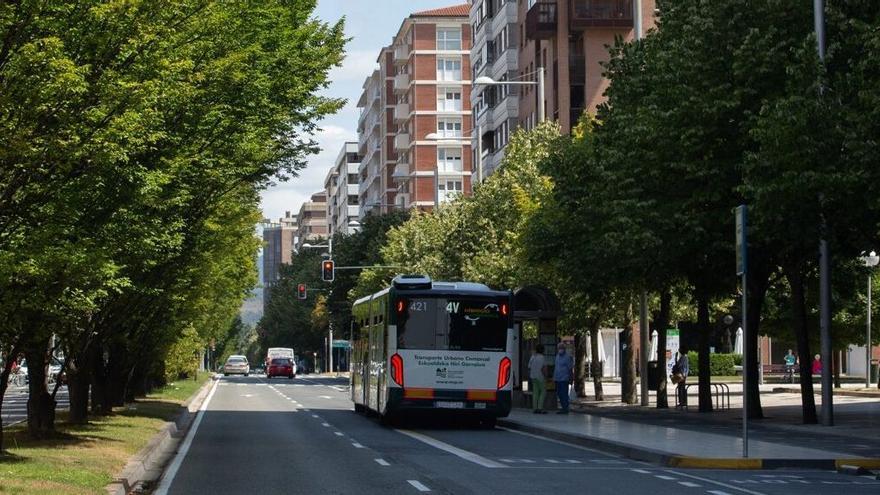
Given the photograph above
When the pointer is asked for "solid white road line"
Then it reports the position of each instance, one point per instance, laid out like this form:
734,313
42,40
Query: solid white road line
464,454
418,486
168,478
574,446
382,462
716,483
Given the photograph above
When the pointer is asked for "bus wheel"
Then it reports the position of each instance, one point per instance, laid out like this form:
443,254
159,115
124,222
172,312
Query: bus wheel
387,420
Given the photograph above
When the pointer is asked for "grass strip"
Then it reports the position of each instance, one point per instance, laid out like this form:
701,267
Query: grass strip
83,459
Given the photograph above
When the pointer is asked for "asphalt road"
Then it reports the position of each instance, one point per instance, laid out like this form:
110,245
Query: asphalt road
15,403
302,436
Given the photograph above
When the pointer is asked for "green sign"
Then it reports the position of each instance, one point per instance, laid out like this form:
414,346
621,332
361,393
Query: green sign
341,344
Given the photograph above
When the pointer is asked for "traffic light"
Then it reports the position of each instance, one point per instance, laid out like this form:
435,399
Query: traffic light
327,270
301,291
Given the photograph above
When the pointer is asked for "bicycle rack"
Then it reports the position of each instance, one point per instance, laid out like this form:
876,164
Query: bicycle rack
720,394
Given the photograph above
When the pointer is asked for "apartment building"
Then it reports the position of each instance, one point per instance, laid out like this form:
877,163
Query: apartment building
373,143
568,38
414,130
279,239
494,54
341,186
312,220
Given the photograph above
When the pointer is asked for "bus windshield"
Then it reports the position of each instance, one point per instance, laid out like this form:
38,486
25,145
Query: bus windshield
457,324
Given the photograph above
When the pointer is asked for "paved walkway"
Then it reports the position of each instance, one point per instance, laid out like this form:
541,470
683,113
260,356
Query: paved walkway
679,437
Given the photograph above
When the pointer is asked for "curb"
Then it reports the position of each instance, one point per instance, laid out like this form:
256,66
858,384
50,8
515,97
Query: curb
840,392
147,465
678,461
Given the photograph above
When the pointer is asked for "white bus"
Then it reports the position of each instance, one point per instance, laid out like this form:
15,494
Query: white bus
280,352
442,346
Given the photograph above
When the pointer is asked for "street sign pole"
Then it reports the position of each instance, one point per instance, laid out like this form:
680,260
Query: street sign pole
742,270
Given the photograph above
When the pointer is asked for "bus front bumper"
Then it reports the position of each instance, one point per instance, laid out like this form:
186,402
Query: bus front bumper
487,403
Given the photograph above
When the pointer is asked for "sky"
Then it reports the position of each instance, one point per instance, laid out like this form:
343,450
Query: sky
370,24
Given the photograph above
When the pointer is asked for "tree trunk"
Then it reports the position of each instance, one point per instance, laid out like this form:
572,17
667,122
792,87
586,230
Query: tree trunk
78,389
4,384
835,359
758,281
117,373
801,330
628,374
595,364
705,371
661,321
580,362
100,393
40,405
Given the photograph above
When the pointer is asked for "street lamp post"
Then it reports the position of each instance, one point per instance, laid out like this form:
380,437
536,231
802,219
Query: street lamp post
870,261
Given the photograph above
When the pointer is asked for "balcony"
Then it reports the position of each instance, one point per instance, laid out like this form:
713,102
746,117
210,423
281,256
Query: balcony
401,83
401,172
541,20
401,112
401,142
586,14
401,54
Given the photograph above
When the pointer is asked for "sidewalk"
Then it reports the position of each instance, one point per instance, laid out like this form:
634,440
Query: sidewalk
714,440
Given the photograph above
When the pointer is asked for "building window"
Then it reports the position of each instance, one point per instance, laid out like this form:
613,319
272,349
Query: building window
449,190
449,100
448,69
449,160
448,39
449,128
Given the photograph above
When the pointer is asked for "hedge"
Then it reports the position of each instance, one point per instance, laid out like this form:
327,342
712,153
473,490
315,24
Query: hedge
719,364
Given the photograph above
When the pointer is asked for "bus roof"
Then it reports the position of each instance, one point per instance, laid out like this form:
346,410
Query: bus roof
437,288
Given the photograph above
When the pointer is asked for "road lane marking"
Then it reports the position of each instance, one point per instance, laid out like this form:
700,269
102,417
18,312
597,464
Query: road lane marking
418,486
717,492
382,462
357,445
717,483
643,471
464,454
315,416
339,433
663,477
571,445
166,480
325,424
689,484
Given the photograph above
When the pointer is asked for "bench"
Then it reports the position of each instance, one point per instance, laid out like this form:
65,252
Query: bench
769,369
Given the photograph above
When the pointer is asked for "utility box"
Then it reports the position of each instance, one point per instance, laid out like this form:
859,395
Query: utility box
654,375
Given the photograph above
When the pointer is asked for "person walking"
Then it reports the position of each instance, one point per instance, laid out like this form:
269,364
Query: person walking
538,377
790,362
563,375
683,368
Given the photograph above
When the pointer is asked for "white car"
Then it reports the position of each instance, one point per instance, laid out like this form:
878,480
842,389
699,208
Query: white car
236,365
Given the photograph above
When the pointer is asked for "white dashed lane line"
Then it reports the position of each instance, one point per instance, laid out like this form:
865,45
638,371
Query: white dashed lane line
689,484
382,462
418,486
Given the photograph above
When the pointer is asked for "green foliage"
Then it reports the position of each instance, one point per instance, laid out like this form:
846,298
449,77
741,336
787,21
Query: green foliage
134,141
719,364
182,360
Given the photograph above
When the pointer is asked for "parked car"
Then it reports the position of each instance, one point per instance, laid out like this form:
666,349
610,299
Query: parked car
281,367
236,365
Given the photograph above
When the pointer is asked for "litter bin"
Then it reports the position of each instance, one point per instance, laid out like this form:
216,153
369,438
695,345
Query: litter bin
875,371
654,375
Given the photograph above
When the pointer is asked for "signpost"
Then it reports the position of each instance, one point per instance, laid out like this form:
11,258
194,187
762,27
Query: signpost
742,270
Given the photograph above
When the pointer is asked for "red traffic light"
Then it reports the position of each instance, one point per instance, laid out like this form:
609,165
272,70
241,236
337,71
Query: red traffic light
301,291
327,271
